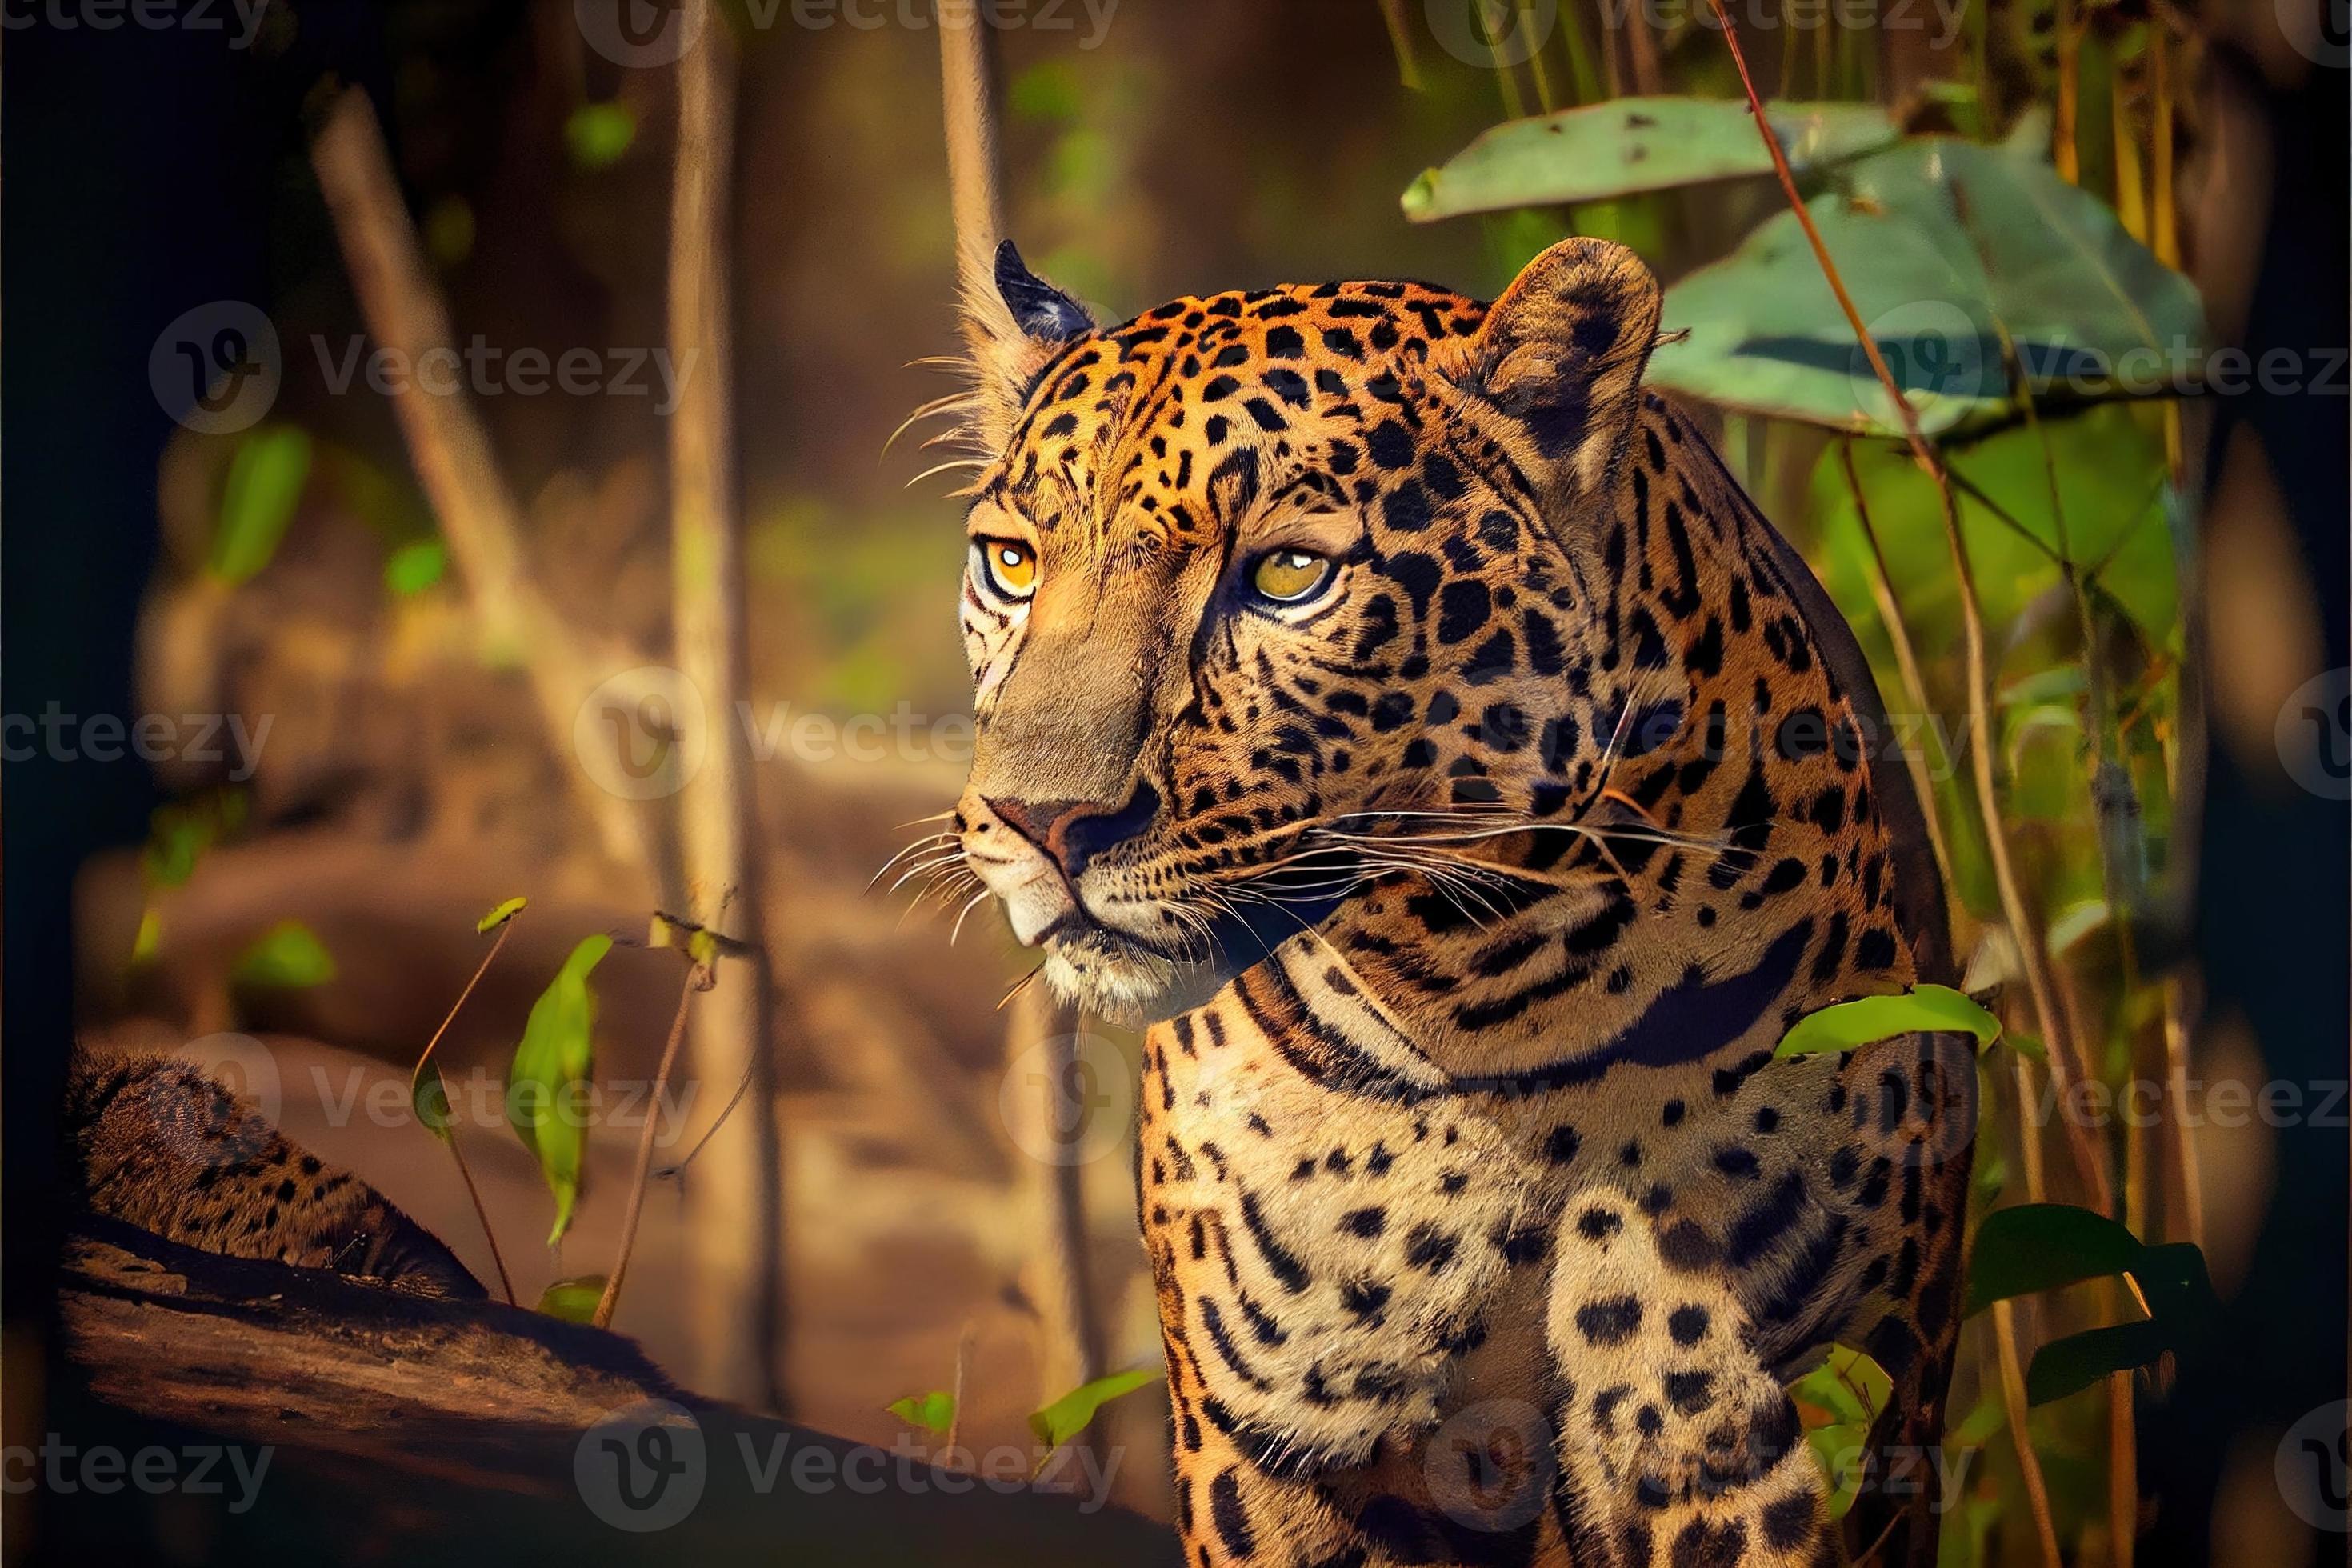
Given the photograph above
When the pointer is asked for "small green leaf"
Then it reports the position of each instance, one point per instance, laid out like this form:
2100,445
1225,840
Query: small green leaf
413,568
2042,1247
289,956
933,1412
428,1096
599,133
1067,1416
2070,1365
265,481
574,1300
150,939
557,1048
1924,1009
2027,1046
500,916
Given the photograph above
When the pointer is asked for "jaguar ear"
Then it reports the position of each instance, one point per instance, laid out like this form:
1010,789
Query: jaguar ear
1015,323
1558,359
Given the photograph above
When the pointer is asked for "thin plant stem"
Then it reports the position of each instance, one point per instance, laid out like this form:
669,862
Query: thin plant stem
1907,661
449,1126
2091,1161
697,978
1401,40
474,1196
2012,1400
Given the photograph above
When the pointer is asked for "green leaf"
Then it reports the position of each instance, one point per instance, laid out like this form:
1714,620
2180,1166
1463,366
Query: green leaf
265,481
598,135
1924,1009
1067,1416
428,1096
574,1300
2042,1247
289,956
2107,513
557,1048
2075,923
1632,144
1946,247
149,943
413,568
500,916
933,1412
2070,1365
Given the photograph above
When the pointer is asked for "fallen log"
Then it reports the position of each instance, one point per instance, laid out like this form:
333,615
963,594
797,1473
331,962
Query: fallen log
366,1425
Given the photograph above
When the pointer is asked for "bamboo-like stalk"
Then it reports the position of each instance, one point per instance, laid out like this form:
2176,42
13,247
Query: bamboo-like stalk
2063,133
2091,1163
1055,1272
736,1235
2013,1407
1057,1265
2131,197
451,454
1401,40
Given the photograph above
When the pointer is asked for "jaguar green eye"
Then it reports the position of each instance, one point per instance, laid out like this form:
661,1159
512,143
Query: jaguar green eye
1288,576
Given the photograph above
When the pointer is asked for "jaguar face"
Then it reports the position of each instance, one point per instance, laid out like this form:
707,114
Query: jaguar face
1257,579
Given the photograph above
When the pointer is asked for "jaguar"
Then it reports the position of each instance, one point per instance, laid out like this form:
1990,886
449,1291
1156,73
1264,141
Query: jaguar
1396,708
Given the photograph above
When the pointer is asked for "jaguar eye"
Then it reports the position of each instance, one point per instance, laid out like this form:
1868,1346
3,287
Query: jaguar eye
1288,576
1009,566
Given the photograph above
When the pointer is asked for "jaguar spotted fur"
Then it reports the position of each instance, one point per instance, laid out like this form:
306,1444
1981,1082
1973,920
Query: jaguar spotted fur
1401,711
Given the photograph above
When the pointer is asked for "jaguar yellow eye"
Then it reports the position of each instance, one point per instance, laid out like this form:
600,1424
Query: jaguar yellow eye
1010,566
1287,576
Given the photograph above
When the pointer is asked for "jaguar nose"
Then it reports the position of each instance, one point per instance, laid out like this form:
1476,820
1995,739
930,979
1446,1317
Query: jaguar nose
1073,832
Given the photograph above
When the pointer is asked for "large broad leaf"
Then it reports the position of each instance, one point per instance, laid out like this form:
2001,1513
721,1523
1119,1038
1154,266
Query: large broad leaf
2040,1247
1924,1009
2070,1365
2089,488
1953,253
557,1048
1632,144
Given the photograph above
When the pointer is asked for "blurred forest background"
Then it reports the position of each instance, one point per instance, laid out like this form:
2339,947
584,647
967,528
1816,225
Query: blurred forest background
317,891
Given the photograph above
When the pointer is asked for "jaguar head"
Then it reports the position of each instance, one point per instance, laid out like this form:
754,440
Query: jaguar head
1259,580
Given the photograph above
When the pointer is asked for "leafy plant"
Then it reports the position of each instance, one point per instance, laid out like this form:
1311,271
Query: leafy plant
554,1058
